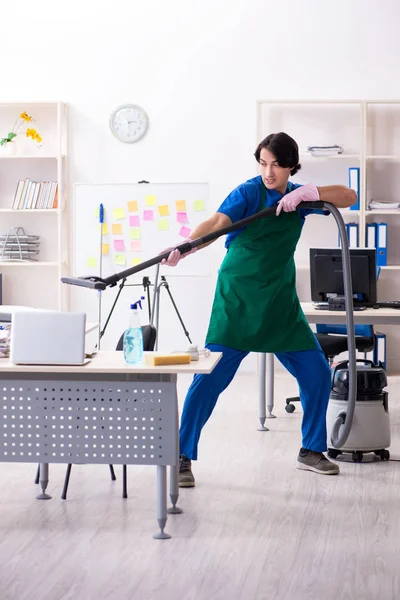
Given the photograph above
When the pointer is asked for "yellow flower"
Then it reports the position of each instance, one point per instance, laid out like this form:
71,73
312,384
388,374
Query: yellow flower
38,138
25,117
31,133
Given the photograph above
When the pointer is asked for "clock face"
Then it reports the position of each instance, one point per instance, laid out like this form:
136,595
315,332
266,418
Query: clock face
128,123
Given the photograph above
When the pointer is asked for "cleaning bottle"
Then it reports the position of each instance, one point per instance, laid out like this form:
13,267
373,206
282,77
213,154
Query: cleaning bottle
133,337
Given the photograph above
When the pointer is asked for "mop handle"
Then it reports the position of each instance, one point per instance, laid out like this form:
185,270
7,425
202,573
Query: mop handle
98,283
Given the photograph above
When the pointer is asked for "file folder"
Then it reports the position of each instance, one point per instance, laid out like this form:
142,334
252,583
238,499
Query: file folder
370,241
381,244
380,349
353,235
354,184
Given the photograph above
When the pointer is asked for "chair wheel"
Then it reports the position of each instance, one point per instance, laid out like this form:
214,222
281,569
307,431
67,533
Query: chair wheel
357,456
290,408
384,454
333,453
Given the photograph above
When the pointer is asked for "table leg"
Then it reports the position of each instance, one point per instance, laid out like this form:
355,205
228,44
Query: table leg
262,410
161,502
44,480
174,472
270,385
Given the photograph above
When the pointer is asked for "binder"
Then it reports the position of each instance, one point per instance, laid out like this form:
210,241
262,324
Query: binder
381,244
380,349
352,235
371,232
354,184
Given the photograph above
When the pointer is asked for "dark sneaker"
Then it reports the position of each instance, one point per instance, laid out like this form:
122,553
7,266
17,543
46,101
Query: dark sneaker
186,478
317,462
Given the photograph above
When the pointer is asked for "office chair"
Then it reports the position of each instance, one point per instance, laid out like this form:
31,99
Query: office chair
332,345
149,339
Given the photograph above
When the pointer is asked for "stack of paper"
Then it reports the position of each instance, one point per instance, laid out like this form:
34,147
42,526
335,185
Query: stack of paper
374,205
325,150
5,336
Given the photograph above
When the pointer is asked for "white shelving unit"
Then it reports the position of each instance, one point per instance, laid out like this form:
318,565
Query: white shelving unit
369,132
36,283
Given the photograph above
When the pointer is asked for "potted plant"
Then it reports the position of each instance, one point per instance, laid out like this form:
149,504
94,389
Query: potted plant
8,143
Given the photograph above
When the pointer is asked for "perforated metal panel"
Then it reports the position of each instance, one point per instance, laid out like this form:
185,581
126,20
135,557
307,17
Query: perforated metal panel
88,422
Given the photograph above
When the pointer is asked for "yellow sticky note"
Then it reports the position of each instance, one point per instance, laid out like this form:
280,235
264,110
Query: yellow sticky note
105,228
105,248
199,205
91,261
180,205
163,224
133,206
163,210
97,212
151,200
135,233
119,213
116,228
120,259
136,261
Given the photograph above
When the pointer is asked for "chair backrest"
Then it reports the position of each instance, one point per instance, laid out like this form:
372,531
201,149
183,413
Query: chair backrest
149,338
364,330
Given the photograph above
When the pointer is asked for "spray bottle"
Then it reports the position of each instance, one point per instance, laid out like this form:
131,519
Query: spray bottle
133,337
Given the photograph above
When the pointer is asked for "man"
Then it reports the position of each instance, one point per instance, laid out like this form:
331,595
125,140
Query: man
256,308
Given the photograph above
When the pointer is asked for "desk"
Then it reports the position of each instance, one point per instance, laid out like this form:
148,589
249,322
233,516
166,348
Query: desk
105,412
370,316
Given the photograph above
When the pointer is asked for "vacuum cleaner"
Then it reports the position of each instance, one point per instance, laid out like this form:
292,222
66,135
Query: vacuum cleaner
357,415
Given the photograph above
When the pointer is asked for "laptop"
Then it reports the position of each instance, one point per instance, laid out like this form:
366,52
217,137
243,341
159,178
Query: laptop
47,337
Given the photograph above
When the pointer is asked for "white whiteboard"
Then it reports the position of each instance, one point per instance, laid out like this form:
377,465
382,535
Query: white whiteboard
138,212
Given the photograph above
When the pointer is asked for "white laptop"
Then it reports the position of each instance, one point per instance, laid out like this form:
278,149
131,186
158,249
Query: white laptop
47,337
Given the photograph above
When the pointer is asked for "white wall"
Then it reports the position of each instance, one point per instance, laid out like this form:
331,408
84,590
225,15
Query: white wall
197,68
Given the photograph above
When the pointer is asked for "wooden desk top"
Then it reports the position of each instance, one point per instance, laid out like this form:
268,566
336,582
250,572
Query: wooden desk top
370,316
113,362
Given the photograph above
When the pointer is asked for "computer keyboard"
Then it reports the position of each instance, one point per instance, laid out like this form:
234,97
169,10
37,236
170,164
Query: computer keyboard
388,304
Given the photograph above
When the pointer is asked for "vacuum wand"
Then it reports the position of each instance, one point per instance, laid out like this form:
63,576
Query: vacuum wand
97,283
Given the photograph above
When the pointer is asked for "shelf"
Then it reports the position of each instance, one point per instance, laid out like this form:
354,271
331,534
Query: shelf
308,156
28,264
32,156
383,157
391,268
382,212
29,210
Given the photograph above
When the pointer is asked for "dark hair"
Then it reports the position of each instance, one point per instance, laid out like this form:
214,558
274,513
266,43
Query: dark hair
284,148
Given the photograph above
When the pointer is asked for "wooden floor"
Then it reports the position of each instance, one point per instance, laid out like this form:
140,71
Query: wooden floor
253,528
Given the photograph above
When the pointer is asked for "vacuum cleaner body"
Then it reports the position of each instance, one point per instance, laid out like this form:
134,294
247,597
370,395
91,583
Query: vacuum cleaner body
370,431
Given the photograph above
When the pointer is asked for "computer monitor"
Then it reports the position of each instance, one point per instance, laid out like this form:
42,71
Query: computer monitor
326,274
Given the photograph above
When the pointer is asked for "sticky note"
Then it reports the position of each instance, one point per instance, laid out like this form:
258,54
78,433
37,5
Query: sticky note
181,217
180,204
136,246
163,224
148,215
136,261
185,231
105,248
151,200
91,261
163,210
134,221
119,213
116,228
119,245
120,259
97,212
105,228
133,206
199,205
135,233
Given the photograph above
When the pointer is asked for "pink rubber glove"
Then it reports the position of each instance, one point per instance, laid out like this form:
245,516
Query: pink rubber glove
305,193
175,255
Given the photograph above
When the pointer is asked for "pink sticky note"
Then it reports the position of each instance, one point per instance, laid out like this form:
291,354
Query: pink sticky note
119,245
185,231
148,215
134,221
181,217
136,245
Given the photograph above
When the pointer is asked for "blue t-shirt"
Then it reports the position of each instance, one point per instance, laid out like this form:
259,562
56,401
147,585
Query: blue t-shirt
244,201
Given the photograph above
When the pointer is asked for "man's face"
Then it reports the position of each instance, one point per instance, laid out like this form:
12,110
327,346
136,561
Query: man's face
273,176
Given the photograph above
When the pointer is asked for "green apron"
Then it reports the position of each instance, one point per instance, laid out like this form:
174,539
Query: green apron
256,307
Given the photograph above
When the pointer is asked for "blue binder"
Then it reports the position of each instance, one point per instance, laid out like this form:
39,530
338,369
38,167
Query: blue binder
380,349
352,235
381,244
354,184
370,236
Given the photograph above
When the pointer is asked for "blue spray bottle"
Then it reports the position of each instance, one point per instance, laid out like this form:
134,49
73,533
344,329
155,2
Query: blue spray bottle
133,337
